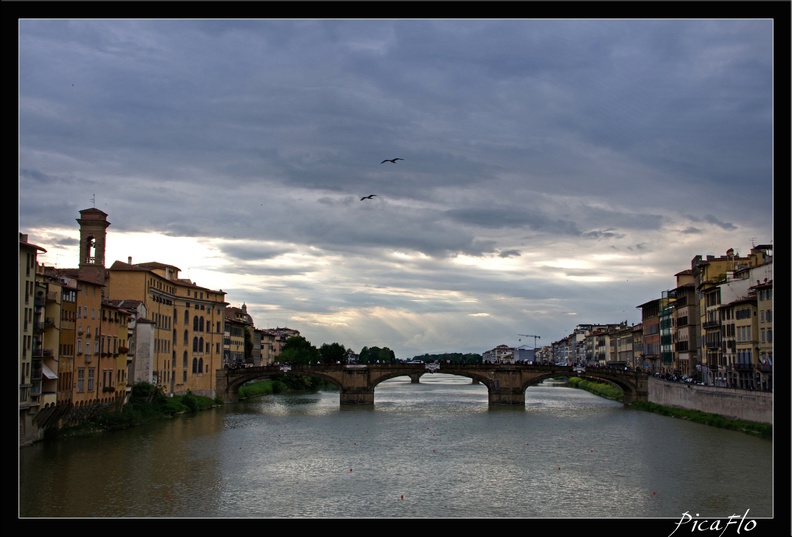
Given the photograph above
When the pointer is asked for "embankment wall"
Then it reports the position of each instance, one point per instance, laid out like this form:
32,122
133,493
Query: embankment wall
728,402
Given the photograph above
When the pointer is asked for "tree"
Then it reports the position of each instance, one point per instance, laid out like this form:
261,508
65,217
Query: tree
248,346
370,355
298,350
332,353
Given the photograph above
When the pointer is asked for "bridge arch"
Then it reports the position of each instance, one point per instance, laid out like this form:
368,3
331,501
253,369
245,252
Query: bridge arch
228,387
631,392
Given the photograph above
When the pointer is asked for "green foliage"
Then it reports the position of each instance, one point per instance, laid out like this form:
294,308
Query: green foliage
302,383
370,355
115,421
332,353
145,392
256,389
298,350
248,346
146,403
455,357
285,383
173,406
597,388
190,401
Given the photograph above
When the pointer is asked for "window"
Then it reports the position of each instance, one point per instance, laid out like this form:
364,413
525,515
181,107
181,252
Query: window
80,380
187,317
186,338
184,360
769,316
91,379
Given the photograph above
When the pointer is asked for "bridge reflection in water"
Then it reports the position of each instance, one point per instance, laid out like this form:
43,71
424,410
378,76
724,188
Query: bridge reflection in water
506,383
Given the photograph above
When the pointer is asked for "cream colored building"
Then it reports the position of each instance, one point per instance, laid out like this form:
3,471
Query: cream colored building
764,334
720,281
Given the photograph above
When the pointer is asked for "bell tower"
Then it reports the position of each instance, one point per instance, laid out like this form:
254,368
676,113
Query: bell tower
93,233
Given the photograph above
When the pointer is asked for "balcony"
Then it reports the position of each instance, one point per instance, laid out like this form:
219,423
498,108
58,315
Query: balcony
711,324
108,389
52,296
743,367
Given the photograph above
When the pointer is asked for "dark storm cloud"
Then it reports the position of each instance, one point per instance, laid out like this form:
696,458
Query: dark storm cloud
545,161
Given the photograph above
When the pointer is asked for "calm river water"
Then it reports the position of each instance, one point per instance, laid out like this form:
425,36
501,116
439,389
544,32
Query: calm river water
428,450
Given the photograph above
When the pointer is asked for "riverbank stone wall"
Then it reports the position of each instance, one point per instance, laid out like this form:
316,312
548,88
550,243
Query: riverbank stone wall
730,403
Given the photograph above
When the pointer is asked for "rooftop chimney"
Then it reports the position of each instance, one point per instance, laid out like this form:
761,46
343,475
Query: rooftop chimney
129,260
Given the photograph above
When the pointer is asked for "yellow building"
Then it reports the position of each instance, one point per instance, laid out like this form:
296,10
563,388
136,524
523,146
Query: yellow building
188,324
87,348
187,319
113,348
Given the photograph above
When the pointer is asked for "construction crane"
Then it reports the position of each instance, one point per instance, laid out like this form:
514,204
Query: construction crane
527,335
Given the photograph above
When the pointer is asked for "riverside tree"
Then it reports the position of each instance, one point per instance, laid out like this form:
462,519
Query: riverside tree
298,350
332,353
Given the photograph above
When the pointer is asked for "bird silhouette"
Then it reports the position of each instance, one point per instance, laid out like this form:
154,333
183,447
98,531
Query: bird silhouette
369,197
391,160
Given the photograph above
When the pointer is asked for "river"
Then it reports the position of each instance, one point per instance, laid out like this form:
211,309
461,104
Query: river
429,450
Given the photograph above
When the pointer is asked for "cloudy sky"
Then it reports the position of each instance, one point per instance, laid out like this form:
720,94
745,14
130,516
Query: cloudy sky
554,172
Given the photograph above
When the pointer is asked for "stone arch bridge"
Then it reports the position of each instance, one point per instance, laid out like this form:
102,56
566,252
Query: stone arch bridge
506,383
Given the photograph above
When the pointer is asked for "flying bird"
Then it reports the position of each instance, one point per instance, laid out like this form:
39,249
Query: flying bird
369,197
391,160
